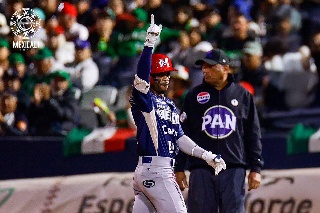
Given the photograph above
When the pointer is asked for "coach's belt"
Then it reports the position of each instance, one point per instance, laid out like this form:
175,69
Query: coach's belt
156,160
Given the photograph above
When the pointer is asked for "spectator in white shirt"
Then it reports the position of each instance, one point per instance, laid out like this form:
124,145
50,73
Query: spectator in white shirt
84,71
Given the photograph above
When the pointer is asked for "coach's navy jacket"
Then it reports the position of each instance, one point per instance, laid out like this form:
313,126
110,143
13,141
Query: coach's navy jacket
224,122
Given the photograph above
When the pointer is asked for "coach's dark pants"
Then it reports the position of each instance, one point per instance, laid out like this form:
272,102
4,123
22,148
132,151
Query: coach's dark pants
224,193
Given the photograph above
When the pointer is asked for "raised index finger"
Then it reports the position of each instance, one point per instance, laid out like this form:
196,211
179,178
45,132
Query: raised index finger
152,19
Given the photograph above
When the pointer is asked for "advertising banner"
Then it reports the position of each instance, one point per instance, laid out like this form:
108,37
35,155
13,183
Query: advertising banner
281,191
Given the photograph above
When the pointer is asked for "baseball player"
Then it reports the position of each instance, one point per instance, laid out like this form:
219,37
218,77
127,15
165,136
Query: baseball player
159,134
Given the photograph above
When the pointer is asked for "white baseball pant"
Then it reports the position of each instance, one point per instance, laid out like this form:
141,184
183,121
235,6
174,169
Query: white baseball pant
155,187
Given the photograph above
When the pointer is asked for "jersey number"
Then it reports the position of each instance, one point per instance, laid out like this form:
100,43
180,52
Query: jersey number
171,147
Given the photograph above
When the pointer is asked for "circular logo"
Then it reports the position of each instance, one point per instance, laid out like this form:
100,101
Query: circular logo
234,102
203,97
219,122
25,23
149,183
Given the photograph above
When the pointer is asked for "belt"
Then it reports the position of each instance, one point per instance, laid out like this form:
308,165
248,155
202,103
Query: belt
156,161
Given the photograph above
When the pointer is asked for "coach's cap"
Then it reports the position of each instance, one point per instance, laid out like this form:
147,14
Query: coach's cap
81,44
43,53
252,48
16,58
213,57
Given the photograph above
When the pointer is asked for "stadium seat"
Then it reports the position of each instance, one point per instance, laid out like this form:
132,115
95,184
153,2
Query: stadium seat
105,92
88,118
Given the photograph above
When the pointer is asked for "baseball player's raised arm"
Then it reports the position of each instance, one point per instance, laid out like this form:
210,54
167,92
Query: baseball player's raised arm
142,78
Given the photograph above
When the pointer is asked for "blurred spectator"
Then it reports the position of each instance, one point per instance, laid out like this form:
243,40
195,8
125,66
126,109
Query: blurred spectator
179,85
12,122
116,6
53,110
12,82
67,18
198,49
233,42
103,53
101,32
278,58
45,64
314,45
310,12
180,48
253,72
41,34
63,50
4,28
17,62
283,9
162,11
2,87
284,32
4,54
212,27
199,6
49,7
85,16
84,71
11,7
184,18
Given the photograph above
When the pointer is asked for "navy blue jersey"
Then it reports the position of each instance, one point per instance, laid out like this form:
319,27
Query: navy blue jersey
224,122
155,116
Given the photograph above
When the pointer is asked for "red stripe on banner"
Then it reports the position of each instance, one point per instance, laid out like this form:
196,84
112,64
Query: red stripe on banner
118,140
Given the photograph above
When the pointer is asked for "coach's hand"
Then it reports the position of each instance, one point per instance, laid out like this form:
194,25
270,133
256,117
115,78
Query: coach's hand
254,180
153,33
214,161
182,180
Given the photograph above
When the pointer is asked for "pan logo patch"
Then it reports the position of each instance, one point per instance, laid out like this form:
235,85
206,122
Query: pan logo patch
219,122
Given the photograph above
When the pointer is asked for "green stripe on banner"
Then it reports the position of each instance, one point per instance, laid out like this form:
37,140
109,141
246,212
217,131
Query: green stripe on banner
72,142
298,139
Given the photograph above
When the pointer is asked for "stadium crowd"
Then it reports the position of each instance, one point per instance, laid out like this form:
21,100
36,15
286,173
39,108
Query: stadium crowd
274,47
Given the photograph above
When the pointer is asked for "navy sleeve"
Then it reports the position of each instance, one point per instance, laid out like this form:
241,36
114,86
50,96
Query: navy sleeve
144,64
252,140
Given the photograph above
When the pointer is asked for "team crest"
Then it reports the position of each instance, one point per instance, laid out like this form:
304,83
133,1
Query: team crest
164,62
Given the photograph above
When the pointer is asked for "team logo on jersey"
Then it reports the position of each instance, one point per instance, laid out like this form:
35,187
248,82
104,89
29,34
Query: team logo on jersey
203,97
219,122
149,183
